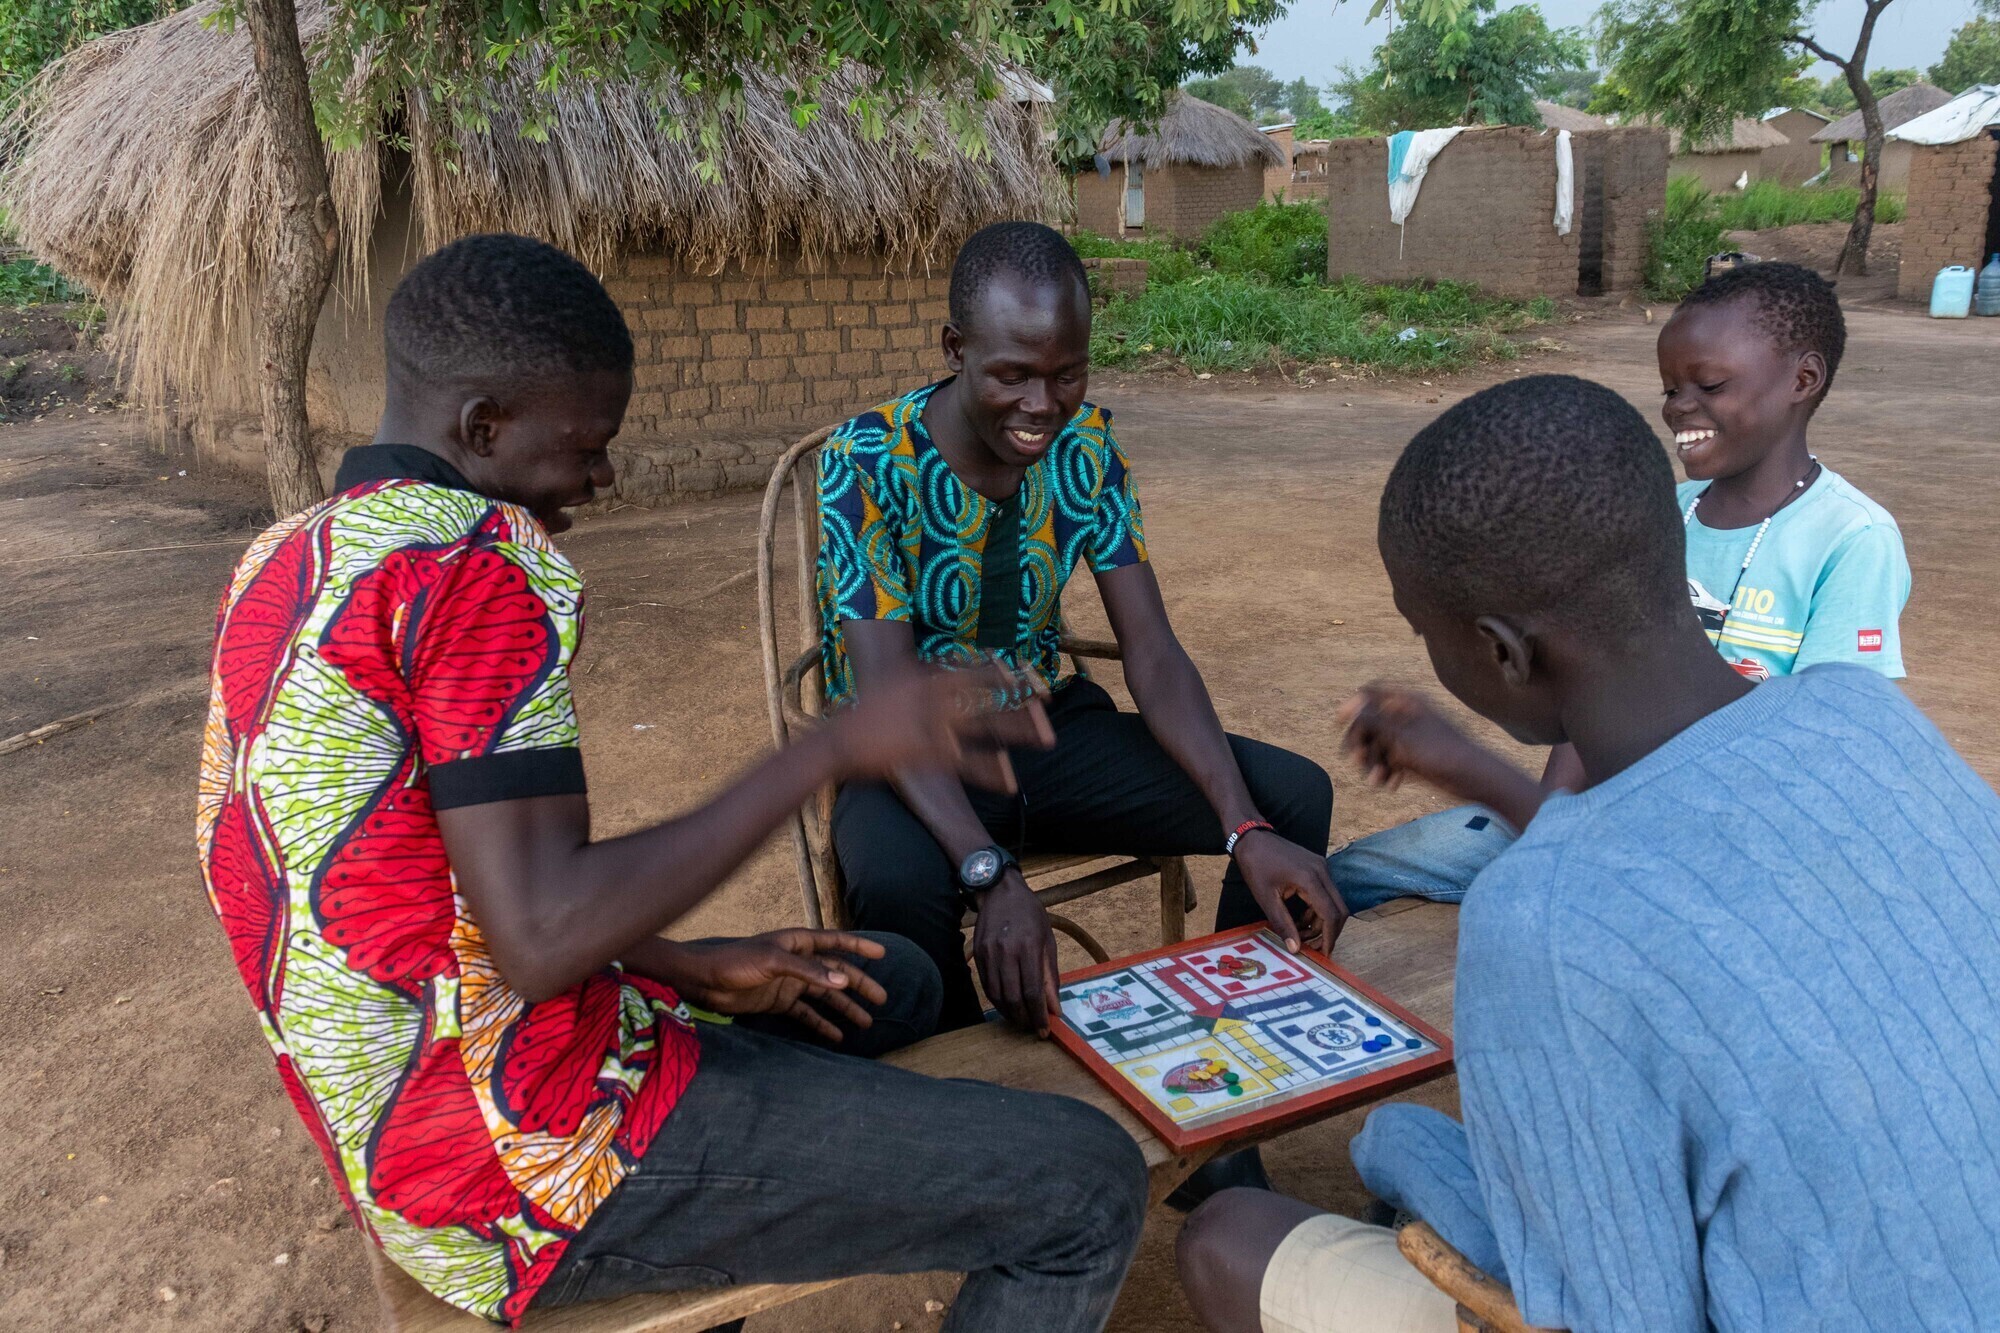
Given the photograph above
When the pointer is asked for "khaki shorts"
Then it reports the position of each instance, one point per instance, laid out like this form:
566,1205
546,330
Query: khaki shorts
1333,1274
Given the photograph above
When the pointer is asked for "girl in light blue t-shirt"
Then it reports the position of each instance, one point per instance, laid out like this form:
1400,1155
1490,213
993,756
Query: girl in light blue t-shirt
1788,564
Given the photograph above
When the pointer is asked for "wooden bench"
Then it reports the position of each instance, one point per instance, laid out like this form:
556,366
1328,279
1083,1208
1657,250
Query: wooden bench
1407,949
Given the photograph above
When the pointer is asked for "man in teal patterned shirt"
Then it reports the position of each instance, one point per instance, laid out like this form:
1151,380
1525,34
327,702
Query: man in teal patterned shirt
952,517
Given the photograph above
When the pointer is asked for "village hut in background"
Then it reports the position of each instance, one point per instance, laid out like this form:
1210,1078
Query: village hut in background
1728,162
805,283
1953,213
1799,159
1556,116
1846,137
1278,175
1200,162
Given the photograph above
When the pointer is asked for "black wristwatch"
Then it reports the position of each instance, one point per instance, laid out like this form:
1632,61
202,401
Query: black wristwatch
980,871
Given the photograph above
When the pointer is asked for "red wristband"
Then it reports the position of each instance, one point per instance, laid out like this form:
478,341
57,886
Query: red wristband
1247,826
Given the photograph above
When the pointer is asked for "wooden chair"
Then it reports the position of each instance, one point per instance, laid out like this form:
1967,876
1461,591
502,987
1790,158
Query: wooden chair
1484,1305
796,699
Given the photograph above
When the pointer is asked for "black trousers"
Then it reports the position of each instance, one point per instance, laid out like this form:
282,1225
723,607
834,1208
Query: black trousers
1106,788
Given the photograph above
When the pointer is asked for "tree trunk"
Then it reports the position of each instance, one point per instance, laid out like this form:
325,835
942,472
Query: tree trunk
300,266
1854,255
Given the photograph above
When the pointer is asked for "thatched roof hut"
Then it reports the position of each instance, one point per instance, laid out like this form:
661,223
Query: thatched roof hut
141,168
1724,161
1200,162
1191,132
1556,116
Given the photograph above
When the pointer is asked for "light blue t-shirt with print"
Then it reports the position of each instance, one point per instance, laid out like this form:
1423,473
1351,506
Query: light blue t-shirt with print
1828,583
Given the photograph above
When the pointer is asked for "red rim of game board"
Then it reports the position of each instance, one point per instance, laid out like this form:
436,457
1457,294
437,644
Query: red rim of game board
1334,1100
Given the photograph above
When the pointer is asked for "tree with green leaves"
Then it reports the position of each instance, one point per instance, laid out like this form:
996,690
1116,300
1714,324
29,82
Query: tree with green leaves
1107,58
1695,65
1258,95
34,32
1973,54
1461,66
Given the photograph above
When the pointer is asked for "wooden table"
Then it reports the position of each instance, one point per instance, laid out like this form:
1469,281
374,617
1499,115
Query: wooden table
1406,949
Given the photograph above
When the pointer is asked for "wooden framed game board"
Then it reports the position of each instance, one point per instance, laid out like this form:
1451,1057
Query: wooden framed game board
1227,1033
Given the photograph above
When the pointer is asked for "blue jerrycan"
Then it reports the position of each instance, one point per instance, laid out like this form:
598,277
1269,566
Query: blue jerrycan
1951,293
1986,292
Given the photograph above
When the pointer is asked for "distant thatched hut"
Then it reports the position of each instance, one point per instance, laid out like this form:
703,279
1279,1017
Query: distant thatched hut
1847,137
1799,160
1728,162
801,285
1199,163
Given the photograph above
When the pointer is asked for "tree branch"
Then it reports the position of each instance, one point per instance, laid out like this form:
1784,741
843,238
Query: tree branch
1809,44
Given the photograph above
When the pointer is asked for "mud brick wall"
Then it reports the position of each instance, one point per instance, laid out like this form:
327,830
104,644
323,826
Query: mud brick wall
1097,200
1951,194
1116,275
1183,200
732,367
1630,170
1485,215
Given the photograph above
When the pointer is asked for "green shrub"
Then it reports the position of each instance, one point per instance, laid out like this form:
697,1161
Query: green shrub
24,282
1679,240
1089,245
1283,243
1227,321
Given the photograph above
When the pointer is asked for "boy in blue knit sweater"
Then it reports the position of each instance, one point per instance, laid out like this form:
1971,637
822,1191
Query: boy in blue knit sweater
1728,1046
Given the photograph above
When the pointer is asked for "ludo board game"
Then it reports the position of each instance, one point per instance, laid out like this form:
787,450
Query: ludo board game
1229,1032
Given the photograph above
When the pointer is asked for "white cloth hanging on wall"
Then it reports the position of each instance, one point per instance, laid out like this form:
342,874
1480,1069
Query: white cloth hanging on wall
1406,174
1565,183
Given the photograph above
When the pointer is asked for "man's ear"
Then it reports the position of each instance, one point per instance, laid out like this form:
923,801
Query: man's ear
1513,651
479,422
952,341
1809,379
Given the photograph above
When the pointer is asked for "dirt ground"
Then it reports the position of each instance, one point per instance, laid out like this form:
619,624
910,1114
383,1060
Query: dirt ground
157,1177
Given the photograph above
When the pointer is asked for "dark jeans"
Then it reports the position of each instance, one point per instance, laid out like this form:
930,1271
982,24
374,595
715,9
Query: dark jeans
1107,787
786,1162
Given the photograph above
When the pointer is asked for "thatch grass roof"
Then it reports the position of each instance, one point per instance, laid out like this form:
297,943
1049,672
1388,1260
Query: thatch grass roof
1195,132
1556,116
141,167
1745,136
1905,104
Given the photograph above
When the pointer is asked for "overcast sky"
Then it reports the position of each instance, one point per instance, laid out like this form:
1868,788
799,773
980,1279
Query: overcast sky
1318,36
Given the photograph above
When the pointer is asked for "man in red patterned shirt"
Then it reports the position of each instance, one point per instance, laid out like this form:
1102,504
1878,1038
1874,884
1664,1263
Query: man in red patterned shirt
467,994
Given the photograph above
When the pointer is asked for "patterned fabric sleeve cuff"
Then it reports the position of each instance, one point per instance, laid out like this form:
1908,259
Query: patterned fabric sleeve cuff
513,776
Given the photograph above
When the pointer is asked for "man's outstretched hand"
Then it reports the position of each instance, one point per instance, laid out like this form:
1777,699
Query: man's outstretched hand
1015,950
1280,873
962,719
1394,733
796,973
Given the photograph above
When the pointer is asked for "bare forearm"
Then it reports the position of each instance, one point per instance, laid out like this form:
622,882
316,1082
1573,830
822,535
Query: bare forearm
1178,711
600,901
937,798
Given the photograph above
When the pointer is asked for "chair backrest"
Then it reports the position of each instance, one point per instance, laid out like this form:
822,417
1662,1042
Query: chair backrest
786,673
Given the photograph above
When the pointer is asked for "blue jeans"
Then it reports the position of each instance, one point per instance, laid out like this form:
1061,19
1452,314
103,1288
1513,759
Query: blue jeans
787,1162
1436,857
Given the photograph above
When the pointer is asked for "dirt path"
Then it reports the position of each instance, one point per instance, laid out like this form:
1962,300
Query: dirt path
148,1145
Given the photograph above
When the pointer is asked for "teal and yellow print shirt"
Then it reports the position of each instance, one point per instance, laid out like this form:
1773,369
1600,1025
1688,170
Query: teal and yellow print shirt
902,538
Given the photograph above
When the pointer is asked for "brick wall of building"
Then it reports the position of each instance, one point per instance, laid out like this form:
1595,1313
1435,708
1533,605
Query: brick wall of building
1184,200
732,367
1719,172
1951,195
1485,215
1630,170
1097,200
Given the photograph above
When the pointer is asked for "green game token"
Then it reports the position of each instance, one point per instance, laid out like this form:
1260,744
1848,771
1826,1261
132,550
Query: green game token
1231,1079
1235,1088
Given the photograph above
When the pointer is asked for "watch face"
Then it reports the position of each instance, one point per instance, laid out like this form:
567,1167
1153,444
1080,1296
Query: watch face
980,868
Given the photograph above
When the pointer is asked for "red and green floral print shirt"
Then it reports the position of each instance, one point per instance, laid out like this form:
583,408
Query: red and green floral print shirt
404,648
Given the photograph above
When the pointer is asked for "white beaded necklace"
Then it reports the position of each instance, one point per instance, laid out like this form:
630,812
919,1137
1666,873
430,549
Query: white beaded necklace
1687,520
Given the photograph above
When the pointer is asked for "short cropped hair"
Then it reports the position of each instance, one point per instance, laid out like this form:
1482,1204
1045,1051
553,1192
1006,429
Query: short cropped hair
1794,305
499,310
1548,495
1024,249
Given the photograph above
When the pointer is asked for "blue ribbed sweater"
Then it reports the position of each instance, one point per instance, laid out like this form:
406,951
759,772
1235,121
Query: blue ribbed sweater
1728,1037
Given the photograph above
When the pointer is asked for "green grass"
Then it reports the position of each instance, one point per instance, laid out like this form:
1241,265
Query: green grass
1768,204
24,282
1680,238
1229,321
1280,243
